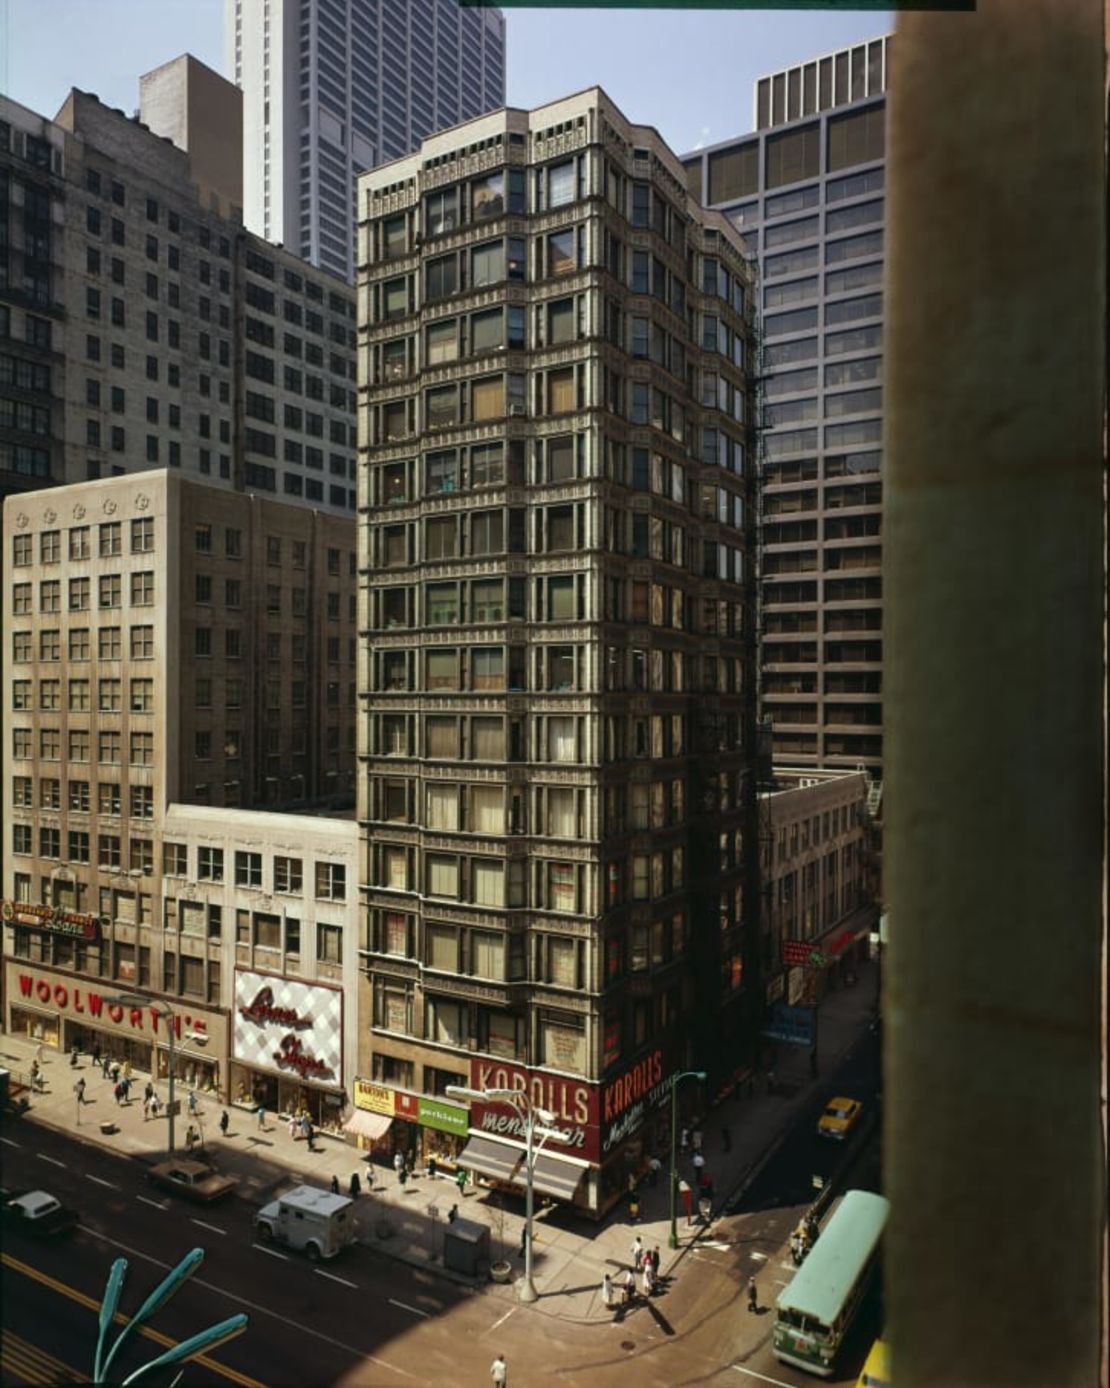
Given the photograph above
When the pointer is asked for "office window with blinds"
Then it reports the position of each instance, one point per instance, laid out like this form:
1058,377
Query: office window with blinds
487,737
487,954
562,739
488,878
562,812
443,876
441,738
441,947
395,868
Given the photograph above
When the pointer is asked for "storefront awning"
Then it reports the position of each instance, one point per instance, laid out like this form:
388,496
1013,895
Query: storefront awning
491,1158
551,1175
370,1125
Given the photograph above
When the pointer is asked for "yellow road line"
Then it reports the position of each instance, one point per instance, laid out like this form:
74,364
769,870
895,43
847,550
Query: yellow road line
120,1319
33,1364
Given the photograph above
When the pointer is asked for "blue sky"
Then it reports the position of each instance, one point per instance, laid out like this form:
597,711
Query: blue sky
689,72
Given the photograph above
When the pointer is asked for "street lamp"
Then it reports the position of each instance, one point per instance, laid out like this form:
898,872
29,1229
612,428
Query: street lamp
682,1075
537,1123
160,1010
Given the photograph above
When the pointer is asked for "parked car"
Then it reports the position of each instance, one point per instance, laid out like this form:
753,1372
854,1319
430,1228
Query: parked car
840,1117
195,1180
38,1213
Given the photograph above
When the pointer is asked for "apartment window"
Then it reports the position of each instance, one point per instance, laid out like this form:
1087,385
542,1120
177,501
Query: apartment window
288,875
142,802
107,850
50,595
49,644
329,943
142,696
443,876
142,535
142,643
561,258
331,881
210,864
79,696
202,539
142,856
561,894
175,859
142,749
111,539
110,592
248,869
142,589
108,643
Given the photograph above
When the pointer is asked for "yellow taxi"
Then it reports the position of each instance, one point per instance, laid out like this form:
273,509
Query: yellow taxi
876,1371
840,1117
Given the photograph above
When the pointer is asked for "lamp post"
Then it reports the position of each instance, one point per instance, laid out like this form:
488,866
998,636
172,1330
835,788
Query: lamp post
537,1123
682,1075
160,1010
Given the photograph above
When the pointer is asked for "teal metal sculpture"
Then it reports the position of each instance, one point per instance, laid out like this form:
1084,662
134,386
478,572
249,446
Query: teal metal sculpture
187,1349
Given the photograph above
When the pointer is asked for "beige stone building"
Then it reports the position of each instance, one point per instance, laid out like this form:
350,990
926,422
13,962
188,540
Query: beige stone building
558,706
818,880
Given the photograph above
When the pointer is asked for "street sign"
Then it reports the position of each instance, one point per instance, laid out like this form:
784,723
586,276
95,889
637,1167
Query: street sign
174,1110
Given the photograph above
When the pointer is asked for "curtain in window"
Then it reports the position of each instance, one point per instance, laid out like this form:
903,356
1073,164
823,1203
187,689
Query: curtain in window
563,962
488,954
489,883
441,737
562,742
396,868
443,670
488,739
560,599
488,398
488,263
563,1046
443,877
395,933
487,809
442,951
562,816
488,668
443,807
560,391
560,878
448,1022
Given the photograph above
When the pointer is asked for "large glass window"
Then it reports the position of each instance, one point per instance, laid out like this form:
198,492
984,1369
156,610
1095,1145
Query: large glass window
488,398
487,264
487,809
443,342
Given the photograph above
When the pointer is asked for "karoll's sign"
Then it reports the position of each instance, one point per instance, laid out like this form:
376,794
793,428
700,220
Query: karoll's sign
573,1102
629,1098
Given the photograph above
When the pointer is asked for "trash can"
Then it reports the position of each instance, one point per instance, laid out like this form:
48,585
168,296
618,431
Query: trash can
465,1246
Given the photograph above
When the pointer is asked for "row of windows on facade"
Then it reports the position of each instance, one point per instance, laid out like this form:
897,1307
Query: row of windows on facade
560,738
109,588
561,598
517,191
558,812
806,229
180,975
814,195
79,542
80,743
97,262
559,458
78,797
109,647
552,256
538,884
856,137
476,533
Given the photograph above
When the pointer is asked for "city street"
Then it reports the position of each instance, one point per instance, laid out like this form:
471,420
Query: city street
368,1319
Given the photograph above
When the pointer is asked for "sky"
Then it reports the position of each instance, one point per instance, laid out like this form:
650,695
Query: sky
689,73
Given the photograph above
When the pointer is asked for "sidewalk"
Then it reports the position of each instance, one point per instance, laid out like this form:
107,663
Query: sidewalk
570,1254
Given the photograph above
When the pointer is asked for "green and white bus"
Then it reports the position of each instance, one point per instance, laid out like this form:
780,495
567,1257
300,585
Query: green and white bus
814,1312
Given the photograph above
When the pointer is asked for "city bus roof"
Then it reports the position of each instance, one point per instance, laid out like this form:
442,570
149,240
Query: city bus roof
837,1258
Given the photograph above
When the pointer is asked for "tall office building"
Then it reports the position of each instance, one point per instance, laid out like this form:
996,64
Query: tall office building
143,327
557,715
332,87
807,192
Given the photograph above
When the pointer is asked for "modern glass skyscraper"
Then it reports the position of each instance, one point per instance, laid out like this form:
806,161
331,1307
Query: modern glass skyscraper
332,87
806,190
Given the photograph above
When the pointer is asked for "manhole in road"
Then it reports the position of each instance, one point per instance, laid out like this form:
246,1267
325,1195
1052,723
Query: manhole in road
628,1345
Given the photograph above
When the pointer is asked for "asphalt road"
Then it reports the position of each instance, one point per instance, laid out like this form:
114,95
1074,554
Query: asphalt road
366,1320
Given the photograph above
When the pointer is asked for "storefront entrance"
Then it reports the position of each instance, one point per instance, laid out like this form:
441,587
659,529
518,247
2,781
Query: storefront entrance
36,1026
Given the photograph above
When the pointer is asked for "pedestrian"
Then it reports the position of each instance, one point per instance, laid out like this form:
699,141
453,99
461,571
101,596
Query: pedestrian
119,1092
695,1138
654,1255
637,1251
607,1291
224,1121
726,1139
155,1106
499,1372
355,1188
310,1138
432,1168
127,1071
306,1127
452,1214
113,1071
146,1107
40,1054
104,1064
654,1168
646,1273
147,1092
190,1138
699,1162
79,1090
335,1185
262,1116
96,1053
684,1139
753,1295
685,1190
523,1240
460,1181
629,1287
73,1055
192,1105
125,1085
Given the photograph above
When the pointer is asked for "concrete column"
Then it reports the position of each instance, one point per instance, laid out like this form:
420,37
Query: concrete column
994,567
